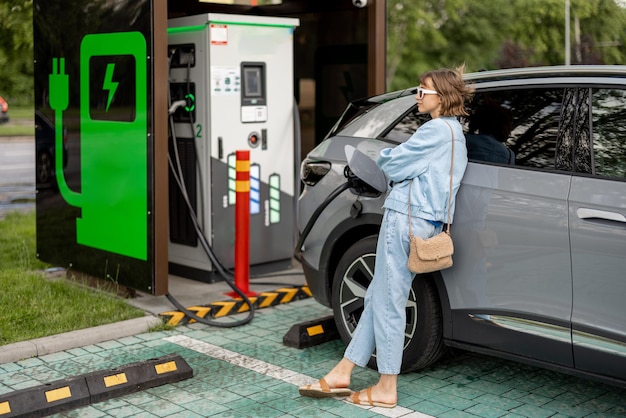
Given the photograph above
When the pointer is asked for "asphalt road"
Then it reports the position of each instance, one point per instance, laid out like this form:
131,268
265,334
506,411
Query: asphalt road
17,174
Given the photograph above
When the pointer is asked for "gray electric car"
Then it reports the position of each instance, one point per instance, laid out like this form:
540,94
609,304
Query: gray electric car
539,271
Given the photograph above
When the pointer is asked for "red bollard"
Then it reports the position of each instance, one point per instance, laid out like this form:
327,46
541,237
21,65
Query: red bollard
242,224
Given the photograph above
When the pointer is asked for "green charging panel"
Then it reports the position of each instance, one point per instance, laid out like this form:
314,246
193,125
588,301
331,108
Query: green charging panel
93,91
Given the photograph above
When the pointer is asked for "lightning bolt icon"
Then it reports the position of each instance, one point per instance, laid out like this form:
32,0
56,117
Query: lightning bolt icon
109,84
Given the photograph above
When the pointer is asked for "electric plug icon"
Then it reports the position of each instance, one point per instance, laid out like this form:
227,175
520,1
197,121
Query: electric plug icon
59,85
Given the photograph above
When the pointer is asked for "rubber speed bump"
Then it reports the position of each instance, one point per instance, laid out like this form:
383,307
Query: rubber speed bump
235,306
47,399
66,394
309,334
131,378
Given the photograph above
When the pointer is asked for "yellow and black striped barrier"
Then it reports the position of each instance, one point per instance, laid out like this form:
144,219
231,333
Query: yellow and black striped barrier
235,306
71,393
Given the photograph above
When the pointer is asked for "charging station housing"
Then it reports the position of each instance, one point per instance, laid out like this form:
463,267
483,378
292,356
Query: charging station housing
235,74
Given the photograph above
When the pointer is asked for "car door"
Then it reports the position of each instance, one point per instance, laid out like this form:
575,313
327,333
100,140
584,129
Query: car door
597,215
510,288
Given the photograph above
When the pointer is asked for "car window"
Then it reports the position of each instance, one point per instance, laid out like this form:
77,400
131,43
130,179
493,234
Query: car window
516,126
407,126
609,132
376,121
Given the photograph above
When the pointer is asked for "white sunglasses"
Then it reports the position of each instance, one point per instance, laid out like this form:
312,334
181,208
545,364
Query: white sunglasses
421,92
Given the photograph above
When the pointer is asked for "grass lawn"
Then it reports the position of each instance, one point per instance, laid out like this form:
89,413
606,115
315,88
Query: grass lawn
21,122
32,305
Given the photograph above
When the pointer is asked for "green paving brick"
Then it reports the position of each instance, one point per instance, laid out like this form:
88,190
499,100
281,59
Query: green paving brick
535,399
439,373
500,375
125,411
187,414
498,402
244,390
461,379
30,362
551,391
597,405
257,410
311,411
514,394
50,358
461,391
615,397
532,411
129,340
573,398
430,408
286,390
572,409
453,401
139,398
9,367
286,405
84,412
70,367
207,407
231,414
88,359
25,385
456,414
486,411
145,414
524,383
174,396
432,383
93,348
618,410
489,387
264,396
110,404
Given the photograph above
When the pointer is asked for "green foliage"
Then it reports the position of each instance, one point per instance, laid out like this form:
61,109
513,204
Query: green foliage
16,51
32,306
426,34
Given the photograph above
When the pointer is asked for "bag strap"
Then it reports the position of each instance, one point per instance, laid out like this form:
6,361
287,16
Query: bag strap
449,197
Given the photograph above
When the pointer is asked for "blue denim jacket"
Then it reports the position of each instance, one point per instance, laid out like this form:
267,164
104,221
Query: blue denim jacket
426,157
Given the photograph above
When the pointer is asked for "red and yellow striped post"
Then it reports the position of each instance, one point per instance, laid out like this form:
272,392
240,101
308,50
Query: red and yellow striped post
242,223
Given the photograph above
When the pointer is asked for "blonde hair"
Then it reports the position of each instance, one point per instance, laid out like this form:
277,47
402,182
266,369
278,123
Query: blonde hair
452,89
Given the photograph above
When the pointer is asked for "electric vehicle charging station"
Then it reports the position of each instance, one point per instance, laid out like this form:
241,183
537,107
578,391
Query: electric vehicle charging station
230,80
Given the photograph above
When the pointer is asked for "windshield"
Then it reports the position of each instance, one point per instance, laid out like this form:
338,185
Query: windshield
375,120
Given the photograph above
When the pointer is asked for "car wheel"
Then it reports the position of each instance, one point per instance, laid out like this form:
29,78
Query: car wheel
423,343
44,167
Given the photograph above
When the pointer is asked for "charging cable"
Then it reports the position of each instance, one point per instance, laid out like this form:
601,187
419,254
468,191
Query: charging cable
227,275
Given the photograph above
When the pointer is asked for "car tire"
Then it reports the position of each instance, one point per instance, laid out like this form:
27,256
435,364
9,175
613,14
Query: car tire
424,329
44,167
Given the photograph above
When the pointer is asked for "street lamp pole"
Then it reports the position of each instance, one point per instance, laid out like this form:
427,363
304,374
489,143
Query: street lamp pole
567,34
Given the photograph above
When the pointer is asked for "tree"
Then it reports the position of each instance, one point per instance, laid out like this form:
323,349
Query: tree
16,51
426,34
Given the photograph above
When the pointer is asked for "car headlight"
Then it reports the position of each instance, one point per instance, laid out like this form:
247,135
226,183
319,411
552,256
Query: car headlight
312,172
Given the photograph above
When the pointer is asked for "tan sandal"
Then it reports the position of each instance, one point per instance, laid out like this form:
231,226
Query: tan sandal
324,391
355,400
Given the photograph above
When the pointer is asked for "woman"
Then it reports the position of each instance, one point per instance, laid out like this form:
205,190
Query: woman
425,157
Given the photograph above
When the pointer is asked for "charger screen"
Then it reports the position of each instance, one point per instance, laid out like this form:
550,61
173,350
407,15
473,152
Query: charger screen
252,82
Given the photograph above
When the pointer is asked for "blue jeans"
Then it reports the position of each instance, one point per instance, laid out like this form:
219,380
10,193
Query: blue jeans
383,322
